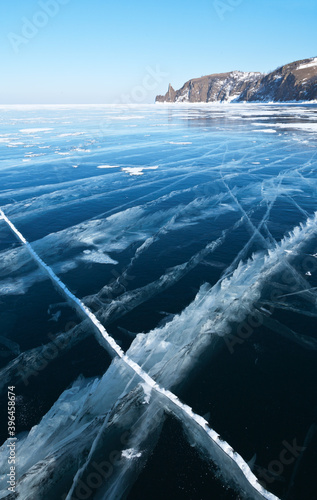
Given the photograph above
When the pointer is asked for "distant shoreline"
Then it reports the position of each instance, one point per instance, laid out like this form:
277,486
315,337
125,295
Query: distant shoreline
155,104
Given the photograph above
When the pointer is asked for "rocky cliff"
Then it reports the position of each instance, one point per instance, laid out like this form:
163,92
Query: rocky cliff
296,81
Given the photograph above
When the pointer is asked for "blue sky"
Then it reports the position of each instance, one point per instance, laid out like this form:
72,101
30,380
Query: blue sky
95,51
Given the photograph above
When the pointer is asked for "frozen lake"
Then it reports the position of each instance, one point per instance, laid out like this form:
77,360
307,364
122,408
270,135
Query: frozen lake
190,232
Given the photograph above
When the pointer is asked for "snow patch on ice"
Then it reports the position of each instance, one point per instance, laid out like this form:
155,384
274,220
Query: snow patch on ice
266,130
180,143
98,257
136,170
71,135
34,130
130,454
147,392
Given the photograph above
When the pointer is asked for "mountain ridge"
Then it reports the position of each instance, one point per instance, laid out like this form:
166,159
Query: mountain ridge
296,81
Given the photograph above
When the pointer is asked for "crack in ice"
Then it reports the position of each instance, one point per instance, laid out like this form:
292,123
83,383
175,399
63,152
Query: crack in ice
115,349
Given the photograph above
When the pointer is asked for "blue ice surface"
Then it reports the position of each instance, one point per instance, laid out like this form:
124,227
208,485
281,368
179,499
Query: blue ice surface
134,191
